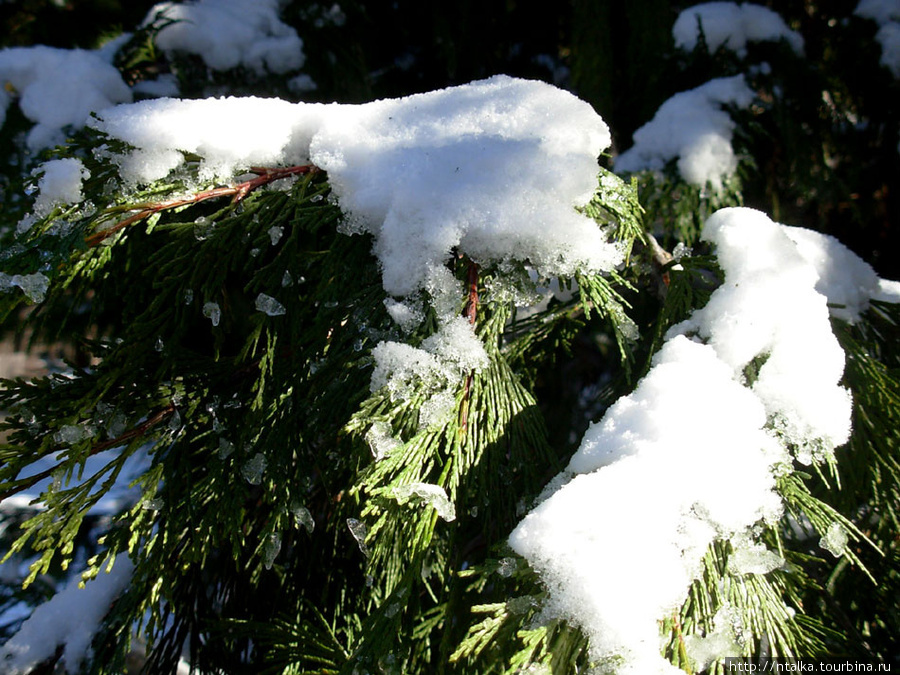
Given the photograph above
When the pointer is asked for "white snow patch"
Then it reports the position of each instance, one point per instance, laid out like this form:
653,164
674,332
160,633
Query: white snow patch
768,309
681,461
230,33
70,618
732,25
693,128
59,88
880,11
886,13
689,457
844,278
60,184
493,169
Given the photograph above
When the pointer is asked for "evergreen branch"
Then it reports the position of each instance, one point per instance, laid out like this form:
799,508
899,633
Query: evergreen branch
127,436
237,193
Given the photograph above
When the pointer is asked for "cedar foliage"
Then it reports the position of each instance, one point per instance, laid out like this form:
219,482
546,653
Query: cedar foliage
267,539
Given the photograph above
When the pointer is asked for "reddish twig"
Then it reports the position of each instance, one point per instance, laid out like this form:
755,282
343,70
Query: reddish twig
129,435
237,193
471,313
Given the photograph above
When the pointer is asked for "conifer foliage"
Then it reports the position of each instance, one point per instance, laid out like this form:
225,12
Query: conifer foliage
445,382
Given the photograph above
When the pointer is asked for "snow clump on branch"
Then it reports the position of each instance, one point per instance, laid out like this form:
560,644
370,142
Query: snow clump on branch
690,456
693,128
733,26
230,33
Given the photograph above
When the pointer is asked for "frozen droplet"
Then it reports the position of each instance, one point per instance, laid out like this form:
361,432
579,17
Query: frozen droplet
431,495
118,423
380,440
835,540
275,234
203,228
253,470
188,296
72,433
316,198
160,345
303,518
34,286
226,447
254,252
269,305
287,279
521,604
506,567
271,549
175,422
359,531
212,312
154,504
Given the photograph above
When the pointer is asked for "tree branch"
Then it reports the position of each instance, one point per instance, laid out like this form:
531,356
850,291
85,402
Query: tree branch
136,432
237,193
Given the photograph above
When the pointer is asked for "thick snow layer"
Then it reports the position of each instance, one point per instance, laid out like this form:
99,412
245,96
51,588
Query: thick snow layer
732,25
768,309
59,88
683,460
493,169
70,618
693,128
886,13
230,33
688,457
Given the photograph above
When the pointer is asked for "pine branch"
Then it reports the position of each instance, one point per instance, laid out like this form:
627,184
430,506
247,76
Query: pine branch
237,193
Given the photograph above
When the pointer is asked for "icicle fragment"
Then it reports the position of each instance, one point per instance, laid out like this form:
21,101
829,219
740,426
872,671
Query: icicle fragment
303,518
432,495
359,531
271,549
381,441
269,305
835,540
253,470
212,312
34,286
275,233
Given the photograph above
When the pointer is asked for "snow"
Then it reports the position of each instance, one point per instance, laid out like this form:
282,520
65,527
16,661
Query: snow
230,33
691,455
844,278
683,460
693,128
71,617
769,308
60,184
494,170
59,88
425,174
733,26
886,13
880,11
